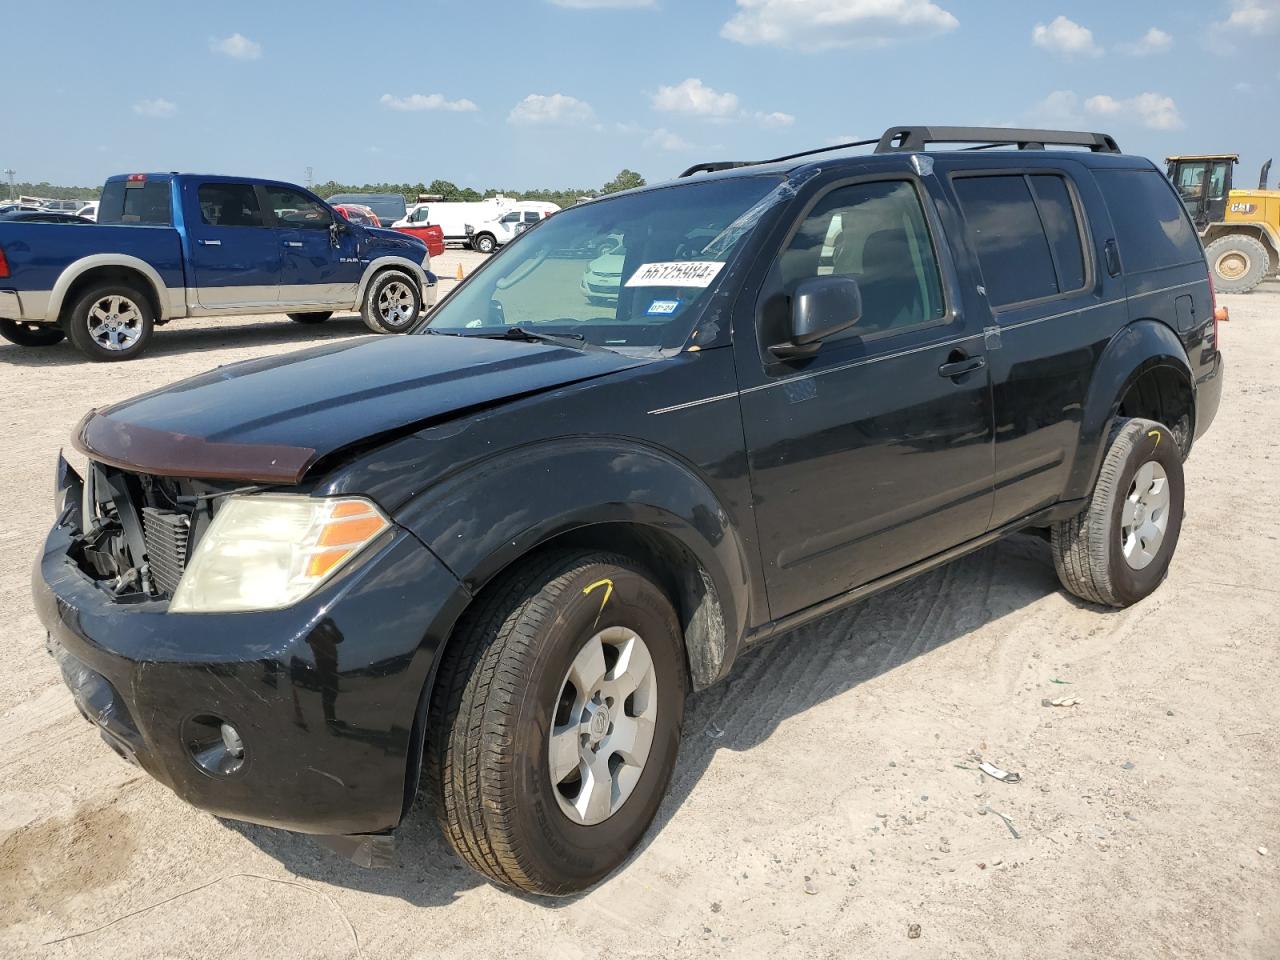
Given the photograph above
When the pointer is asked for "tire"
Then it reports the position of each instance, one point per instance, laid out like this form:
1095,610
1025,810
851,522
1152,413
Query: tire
484,243
506,684
31,334
1094,558
392,302
89,326
317,316
1239,263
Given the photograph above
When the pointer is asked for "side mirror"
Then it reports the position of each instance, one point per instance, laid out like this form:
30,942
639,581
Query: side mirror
821,307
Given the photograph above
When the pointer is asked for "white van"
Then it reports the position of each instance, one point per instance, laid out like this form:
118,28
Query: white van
483,225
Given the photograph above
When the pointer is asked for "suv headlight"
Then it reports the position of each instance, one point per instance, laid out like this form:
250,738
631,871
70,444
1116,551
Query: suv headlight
266,551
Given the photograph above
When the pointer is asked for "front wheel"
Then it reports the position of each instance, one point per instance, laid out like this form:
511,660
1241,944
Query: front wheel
1117,550
111,322
555,721
31,334
318,316
484,243
1239,262
392,303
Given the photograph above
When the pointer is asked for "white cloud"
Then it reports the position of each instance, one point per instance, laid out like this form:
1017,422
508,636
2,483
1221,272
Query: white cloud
1153,41
556,108
237,47
602,4
823,24
1063,108
427,101
773,120
1155,111
1059,109
664,139
695,98
1065,38
159,108
1251,16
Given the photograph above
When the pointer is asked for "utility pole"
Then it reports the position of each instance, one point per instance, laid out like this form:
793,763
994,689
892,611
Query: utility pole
310,178
10,174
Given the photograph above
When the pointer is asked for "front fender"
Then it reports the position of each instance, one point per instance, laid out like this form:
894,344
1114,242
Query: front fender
489,516
1139,347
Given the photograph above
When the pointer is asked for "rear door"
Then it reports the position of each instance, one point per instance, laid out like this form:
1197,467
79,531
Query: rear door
235,257
320,267
1038,236
876,452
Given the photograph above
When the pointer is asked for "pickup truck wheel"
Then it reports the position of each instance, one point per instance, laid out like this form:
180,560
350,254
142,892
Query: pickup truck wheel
393,302
31,334
555,721
319,316
110,322
1239,263
484,243
1117,550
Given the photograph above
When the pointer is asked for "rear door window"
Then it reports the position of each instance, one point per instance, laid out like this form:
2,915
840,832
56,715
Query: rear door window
1027,235
148,203
1062,226
229,205
1152,227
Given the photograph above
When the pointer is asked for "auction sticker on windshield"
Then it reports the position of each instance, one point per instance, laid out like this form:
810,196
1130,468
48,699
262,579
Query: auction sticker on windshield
676,273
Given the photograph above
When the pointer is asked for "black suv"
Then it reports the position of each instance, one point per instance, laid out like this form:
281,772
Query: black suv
498,553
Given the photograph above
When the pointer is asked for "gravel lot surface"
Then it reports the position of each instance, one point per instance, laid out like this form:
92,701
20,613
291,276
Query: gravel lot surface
826,798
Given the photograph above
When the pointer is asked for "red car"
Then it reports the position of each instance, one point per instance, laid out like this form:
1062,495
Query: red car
432,236
357,213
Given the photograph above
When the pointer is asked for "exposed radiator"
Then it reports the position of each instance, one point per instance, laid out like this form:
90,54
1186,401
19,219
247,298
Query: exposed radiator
166,533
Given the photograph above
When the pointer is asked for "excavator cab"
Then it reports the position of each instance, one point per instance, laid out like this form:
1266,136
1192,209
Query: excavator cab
1203,182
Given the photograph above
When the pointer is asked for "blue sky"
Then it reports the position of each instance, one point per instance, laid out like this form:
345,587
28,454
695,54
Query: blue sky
529,93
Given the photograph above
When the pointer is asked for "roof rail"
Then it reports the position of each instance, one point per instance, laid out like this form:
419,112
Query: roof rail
917,139
711,166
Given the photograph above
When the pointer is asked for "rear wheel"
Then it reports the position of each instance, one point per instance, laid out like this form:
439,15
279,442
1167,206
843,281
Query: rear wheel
1117,550
31,334
392,303
110,322
319,316
555,721
1239,262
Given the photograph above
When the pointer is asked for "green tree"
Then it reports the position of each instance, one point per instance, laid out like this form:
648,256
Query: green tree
626,180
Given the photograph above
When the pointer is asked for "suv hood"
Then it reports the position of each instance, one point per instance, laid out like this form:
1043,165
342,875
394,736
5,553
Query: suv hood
270,420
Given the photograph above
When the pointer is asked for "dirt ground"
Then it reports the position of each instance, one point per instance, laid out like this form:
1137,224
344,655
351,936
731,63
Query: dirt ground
826,797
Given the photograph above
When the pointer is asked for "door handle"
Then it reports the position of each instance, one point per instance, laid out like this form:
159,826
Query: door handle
1112,255
293,243
959,364
211,243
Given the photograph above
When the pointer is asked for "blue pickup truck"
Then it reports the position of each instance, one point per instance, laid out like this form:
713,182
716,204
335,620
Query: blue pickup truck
173,245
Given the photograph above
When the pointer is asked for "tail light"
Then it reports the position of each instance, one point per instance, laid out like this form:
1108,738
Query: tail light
4,264
1220,314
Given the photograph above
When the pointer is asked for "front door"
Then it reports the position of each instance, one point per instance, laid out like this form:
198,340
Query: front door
234,256
321,267
877,452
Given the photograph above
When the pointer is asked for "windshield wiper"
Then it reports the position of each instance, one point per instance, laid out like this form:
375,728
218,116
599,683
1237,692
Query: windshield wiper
567,339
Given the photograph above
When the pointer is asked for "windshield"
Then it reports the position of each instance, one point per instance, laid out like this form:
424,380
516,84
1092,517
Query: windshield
628,273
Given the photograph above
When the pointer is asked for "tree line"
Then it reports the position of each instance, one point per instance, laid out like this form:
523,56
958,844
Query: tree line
567,197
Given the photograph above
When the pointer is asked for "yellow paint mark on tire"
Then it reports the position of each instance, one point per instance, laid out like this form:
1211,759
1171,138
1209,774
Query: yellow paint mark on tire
608,592
1156,434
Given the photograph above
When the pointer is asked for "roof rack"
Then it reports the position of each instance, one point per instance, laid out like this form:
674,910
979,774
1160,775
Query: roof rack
917,140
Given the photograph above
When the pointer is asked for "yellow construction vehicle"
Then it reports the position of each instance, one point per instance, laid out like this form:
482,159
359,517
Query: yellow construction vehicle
1240,228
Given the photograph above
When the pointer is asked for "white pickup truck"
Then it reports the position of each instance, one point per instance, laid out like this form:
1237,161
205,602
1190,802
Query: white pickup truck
483,225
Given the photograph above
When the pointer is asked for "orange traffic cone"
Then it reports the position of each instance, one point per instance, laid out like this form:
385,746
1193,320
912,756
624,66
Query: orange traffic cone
459,274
